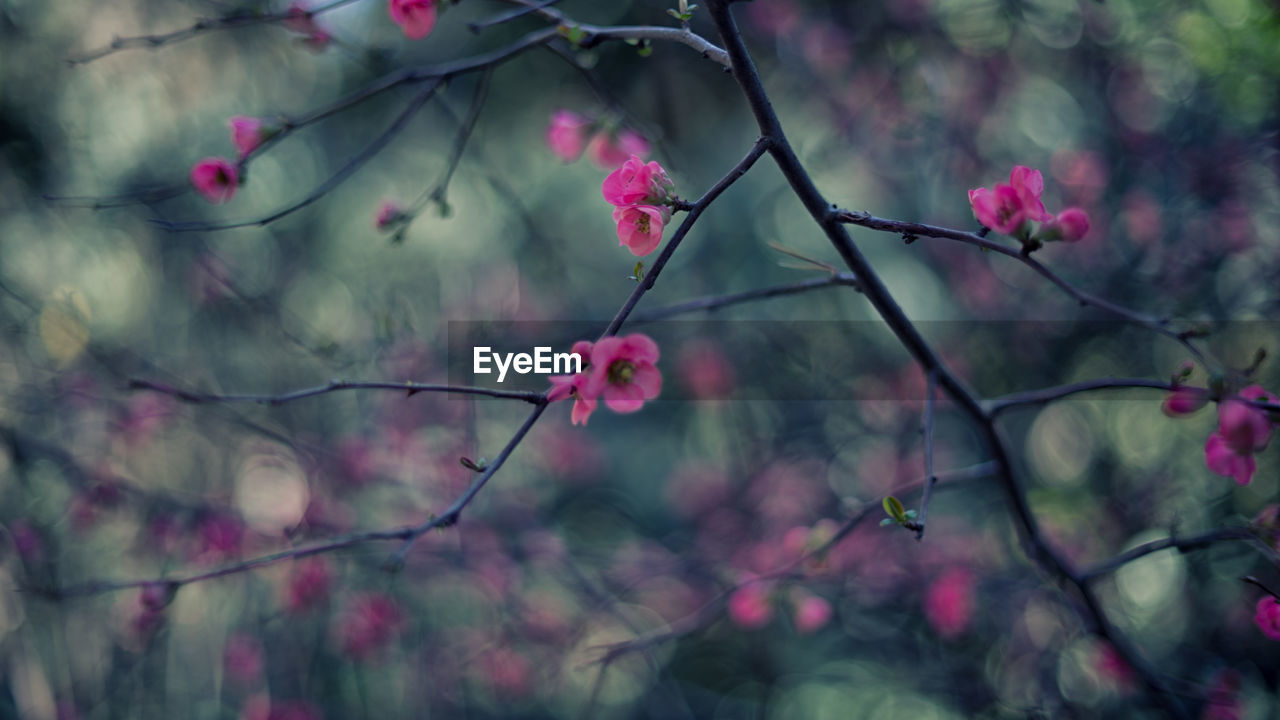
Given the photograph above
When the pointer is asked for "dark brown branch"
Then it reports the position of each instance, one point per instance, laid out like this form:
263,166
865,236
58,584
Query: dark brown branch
916,230
200,27
831,221
410,388
1194,542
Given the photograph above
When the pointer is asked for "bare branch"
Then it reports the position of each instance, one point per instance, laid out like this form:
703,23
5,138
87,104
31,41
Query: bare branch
1195,542
930,400
409,388
716,302
230,22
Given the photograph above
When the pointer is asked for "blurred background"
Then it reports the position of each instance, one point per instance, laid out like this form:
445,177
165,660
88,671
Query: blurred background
1160,119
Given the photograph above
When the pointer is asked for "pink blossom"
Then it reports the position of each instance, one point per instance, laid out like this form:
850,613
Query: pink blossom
812,613
247,133
26,541
622,372
706,370
566,386
640,227
750,606
243,658
508,672
949,602
369,624
308,584
1268,617
1184,401
302,21
1029,185
567,135
1001,209
1245,429
637,183
216,179
220,536
1070,225
609,151
415,17
1112,666
1222,460
388,215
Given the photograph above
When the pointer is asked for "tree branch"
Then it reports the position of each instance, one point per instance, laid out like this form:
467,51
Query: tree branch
410,388
716,302
1194,542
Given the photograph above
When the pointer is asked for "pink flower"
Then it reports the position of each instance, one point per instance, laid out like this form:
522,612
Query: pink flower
1112,666
750,606
1245,429
608,151
640,227
1224,702
308,584
1001,209
415,17
812,613
388,215
637,183
1268,617
243,658
567,135
1224,461
949,602
368,625
1029,185
1070,225
302,22
622,372
216,179
247,134
1183,401
566,386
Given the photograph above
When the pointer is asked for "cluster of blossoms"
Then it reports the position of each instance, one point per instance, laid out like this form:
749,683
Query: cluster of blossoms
216,178
1243,429
608,147
642,196
1011,207
751,607
619,369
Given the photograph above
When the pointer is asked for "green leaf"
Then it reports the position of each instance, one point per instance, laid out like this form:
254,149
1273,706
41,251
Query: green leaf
886,522
645,50
894,508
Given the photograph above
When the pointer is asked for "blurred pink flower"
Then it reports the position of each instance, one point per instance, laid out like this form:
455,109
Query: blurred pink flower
26,540
637,183
303,22
388,215
608,151
507,672
623,373
1113,667
1070,225
260,707
567,135
706,370
1184,401
243,658
216,179
812,612
247,133
219,537
308,584
949,602
368,625
1222,460
1267,617
640,227
750,606
566,386
415,17
1242,431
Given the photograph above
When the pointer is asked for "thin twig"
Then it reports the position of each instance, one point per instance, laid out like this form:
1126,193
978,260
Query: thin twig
930,400
410,388
1195,542
716,302
507,17
1160,325
200,27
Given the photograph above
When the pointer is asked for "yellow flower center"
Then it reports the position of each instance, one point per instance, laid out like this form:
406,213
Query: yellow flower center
620,372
